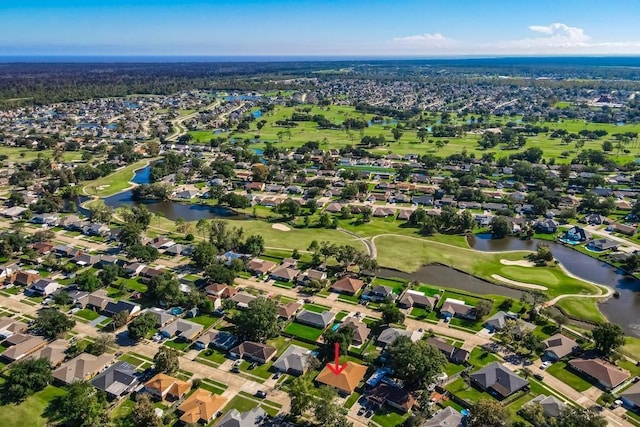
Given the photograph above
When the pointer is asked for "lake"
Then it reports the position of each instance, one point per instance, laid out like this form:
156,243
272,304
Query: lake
169,209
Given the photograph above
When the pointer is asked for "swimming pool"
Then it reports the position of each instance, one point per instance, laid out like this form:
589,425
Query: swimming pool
176,311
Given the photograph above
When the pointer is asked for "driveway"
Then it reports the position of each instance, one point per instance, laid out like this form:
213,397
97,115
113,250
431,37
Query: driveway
95,322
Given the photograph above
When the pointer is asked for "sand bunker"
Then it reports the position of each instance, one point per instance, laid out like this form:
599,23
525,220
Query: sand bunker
280,227
521,263
518,284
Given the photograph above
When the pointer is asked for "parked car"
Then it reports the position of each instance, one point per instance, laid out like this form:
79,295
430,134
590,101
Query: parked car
237,362
235,369
253,365
539,377
545,364
261,394
277,375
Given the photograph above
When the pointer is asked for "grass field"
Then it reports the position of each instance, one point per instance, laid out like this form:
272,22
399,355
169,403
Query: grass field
116,182
409,143
303,331
563,373
30,413
583,308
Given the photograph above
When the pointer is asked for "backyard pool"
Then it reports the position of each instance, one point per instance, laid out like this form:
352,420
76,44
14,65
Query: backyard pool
176,311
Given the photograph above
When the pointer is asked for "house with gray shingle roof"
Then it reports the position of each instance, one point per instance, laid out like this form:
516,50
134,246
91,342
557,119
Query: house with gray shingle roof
317,320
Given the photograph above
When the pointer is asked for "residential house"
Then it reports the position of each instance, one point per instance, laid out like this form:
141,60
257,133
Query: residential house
360,330
54,352
186,194
547,226
552,407
317,320
457,308
85,260
559,346
252,418
82,367
24,346
114,307
162,317
182,329
148,273
285,274
601,245
447,417
43,287
347,285
133,269
577,234
179,249
390,394
498,380
217,339
499,320
453,354
242,299
390,335
631,396
312,274
629,230
201,407
166,388
294,360
258,267
161,242
220,290
379,293
41,248
253,351
288,311
411,298
605,374
346,381
24,278
96,300
117,380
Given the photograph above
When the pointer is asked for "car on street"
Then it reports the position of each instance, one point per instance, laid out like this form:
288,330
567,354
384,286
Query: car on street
261,394
545,364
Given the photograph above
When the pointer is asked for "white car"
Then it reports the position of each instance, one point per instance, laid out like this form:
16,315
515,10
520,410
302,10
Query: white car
545,364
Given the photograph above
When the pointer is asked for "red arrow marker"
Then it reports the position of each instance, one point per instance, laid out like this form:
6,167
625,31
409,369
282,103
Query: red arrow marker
337,369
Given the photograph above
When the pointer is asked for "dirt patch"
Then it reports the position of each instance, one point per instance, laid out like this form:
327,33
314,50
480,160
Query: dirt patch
520,263
518,284
280,227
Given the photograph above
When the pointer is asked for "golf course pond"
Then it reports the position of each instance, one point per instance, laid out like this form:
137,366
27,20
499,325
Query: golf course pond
624,310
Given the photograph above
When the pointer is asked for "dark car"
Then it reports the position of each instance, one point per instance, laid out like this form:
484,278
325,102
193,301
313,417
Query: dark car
261,394
253,366
235,369
277,375
539,377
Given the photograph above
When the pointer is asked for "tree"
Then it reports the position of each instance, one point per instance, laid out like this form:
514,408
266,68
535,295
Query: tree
120,319
418,363
391,314
202,226
607,337
144,412
342,336
138,214
110,274
300,391
326,411
165,288
102,343
183,226
534,413
220,274
289,208
153,148
500,227
254,244
483,308
259,321
52,323
87,281
82,406
204,254
141,326
580,417
397,133
143,253
25,378
488,413
166,360
130,235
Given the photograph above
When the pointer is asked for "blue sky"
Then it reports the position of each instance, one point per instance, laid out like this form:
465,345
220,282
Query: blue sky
321,27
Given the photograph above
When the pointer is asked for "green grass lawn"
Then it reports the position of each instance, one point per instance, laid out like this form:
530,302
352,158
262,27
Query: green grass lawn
317,308
182,346
303,331
467,392
561,371
388,417
213,355
582,308
351,400
481,358
261,371
87,314
205,320
241,404
30,413
115,182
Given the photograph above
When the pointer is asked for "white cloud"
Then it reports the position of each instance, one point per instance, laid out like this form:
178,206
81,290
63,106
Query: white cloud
559,35
426,37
